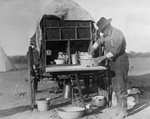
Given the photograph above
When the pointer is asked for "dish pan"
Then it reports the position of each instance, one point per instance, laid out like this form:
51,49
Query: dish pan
70,112
59,61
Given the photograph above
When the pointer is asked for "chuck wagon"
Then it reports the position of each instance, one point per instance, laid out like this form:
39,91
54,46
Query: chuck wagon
57,33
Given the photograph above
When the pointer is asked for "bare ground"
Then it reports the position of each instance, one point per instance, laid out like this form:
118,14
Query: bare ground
15,98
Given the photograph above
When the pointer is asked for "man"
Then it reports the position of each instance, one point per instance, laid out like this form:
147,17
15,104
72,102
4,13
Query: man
114,44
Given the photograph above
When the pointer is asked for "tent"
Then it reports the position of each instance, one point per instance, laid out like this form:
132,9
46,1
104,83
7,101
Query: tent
65,10
5,64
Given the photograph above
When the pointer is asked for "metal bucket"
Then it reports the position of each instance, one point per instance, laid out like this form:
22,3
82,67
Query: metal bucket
43,104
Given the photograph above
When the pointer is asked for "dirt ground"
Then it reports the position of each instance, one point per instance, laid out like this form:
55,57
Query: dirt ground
15,98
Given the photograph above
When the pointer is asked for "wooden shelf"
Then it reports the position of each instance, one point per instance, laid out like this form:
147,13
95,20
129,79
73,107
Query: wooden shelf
79,34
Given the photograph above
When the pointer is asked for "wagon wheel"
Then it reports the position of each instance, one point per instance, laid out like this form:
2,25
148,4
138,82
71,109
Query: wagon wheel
31,76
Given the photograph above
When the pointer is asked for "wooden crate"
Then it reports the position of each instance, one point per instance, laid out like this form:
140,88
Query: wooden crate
52,33
51,23
83,33
83,23
68,33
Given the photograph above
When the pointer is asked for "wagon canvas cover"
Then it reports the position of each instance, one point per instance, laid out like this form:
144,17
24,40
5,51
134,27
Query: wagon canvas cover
64,9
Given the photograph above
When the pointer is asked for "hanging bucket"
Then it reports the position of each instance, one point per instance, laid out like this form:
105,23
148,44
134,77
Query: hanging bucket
67,91
43,104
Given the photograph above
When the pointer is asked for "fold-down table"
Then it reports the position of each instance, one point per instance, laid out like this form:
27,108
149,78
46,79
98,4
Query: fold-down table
76,70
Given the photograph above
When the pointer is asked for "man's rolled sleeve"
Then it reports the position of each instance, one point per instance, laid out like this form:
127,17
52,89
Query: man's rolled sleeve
118,45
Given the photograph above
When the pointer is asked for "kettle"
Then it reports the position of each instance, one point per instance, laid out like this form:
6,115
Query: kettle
67,91
99,101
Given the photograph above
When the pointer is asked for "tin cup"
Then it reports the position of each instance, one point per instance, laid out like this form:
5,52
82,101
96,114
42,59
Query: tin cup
49,52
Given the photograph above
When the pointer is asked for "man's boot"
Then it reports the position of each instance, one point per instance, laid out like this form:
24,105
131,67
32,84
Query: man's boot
123,111
119,101
124,102
122,107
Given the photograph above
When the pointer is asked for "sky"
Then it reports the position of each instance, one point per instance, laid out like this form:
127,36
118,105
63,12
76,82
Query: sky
18,21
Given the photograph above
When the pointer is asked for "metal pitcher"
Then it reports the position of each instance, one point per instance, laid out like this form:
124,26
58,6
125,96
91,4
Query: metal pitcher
67,91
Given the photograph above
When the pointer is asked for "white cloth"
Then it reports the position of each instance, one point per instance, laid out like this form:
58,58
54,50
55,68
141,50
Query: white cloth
95,46
109,55
85,55
130,101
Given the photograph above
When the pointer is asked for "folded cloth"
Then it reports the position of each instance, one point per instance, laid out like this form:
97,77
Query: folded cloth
130,102
85,55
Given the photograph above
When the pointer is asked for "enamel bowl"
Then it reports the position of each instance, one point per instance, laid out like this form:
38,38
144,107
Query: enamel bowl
70,112
59,61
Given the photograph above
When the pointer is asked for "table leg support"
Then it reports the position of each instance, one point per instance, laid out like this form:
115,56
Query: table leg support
80,91
109,86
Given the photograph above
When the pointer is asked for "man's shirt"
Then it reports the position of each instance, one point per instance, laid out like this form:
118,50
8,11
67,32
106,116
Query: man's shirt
115,42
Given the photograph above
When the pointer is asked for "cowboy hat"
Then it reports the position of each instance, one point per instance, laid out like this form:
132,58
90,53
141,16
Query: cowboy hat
102,23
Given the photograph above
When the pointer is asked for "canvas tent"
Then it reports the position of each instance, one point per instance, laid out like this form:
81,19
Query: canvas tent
64,9
5,64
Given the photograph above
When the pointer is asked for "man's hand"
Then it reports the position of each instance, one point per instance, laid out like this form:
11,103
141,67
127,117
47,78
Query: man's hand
99,59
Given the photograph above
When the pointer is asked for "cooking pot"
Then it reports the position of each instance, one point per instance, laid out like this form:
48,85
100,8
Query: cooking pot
98,101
